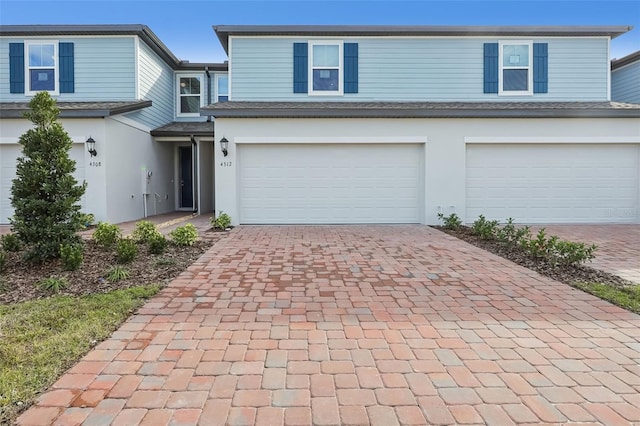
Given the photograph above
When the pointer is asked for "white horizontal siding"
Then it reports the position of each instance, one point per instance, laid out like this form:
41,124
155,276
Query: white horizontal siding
419,69
104,69
625,83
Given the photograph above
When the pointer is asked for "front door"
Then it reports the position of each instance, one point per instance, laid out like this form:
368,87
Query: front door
185,174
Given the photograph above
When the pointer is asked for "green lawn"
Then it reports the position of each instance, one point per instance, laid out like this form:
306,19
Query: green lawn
625,297
43,338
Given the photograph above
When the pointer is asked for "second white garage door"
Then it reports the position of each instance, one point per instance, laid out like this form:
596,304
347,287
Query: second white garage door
581,183
335,183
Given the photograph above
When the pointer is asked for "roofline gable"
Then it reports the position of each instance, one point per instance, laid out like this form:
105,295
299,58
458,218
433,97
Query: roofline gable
224,31
626,60
142,31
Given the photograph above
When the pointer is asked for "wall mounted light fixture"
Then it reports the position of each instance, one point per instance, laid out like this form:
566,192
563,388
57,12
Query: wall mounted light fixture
91,147
224,145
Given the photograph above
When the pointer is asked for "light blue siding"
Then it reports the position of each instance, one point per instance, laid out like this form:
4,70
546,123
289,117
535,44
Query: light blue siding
418,69
625,83
156,81
104,69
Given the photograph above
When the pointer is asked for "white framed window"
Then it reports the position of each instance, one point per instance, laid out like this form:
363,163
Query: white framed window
516,68
222,87
325,67
190,94
41,66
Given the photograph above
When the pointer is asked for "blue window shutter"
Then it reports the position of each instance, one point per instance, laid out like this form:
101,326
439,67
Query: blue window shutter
16,67
491,68
300,68
540,68
65,53
350,67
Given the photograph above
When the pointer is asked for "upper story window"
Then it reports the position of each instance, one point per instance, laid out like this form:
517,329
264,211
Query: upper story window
325,68
190,96
42,66
222,87
516,68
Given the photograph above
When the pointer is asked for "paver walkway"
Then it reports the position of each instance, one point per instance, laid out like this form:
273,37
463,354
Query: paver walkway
357,325
618,246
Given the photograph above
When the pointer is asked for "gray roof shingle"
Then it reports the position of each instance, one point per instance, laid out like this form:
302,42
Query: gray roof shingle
244,109
77,109
185,128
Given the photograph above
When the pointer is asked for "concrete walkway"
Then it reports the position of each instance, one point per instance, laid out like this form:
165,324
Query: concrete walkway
357,325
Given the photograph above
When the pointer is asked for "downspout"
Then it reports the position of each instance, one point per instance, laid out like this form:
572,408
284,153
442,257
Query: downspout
206,70
194,177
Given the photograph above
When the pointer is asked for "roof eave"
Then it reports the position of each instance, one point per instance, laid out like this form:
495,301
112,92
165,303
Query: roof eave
82,113
421,113
142,31
627,60
224,31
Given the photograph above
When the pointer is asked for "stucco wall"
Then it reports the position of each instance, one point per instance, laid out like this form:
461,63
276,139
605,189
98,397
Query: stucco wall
94,200
131,152
444,149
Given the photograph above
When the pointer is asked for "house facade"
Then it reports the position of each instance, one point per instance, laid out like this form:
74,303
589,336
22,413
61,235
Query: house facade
625,78
359,124
336,124
121,87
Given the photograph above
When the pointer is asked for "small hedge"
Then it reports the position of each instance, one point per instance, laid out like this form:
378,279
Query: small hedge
551,249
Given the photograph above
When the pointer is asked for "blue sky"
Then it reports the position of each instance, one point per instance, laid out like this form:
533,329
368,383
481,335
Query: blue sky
185,26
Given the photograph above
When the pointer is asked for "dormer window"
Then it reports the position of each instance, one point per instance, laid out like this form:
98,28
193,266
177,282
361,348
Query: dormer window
516,75
42,67
189,95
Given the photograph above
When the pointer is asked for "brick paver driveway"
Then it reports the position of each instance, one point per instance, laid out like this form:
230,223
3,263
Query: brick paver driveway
357,325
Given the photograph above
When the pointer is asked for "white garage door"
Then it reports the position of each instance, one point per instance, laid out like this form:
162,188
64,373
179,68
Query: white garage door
359,183
582,183
8,155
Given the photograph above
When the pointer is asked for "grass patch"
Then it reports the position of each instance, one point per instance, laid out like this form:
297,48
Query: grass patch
627,297
43,338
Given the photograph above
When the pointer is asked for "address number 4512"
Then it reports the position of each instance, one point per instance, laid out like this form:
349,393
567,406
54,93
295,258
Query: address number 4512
225,164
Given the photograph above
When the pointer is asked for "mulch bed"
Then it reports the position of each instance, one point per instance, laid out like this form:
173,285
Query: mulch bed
18,282
565,274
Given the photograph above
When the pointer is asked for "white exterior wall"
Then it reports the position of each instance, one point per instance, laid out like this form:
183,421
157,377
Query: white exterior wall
94,200
445,146
129,153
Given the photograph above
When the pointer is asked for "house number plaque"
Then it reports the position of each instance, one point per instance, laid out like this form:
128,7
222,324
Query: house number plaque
225,164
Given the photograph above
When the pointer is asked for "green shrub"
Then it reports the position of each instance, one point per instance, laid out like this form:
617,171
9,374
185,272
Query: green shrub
45,194
510,234
165,261
184,235
485,229
71,256
158,244
86,220
126,250
557,252
536,247
53,284
106,234
117,273
3,260
11,242
567,253
144,231
452,222
222,222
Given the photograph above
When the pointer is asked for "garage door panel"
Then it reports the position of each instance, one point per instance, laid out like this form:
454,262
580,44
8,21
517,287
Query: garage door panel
330,184
586,183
